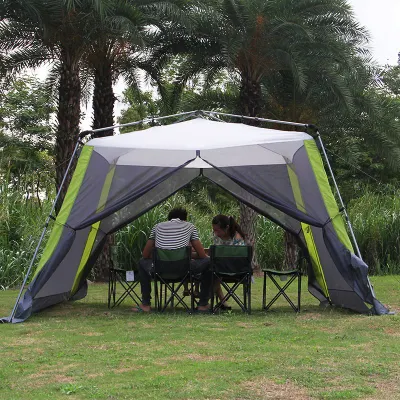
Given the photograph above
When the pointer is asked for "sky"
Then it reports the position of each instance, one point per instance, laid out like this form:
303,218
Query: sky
380,17
382,20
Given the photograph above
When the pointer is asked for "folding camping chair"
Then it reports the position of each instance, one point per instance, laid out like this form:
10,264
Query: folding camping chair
231,266
288,277
122,279
171,267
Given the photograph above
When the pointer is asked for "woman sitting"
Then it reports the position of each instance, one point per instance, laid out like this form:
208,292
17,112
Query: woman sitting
226,232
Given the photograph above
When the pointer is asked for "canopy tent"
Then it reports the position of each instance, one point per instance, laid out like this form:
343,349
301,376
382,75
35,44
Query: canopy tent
280,174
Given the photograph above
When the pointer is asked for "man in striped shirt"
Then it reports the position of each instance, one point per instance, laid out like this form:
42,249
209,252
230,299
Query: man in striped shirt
170,235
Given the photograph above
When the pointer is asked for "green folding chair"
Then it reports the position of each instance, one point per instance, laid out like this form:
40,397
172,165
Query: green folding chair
231,266
171,270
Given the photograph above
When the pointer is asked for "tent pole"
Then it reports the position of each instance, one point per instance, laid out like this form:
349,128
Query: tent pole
275,121
142,121
43,232
339,195
194,113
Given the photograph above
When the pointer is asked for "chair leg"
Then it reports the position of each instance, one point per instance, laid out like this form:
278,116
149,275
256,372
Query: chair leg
156,294
249,294
299,292
109,288
191,292
264,303
212,293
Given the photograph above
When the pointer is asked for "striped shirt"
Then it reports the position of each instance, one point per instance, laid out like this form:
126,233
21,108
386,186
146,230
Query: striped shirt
173,234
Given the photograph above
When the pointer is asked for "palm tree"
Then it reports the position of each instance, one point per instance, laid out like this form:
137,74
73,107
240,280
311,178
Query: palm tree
118,47
265,43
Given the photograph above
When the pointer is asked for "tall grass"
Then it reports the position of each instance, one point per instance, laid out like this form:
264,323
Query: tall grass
376,223
21,222
270,244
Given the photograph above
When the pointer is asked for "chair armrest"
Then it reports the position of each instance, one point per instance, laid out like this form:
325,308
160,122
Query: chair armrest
288,272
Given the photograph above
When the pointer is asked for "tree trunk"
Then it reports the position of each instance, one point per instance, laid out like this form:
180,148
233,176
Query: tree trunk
68,116
250,105
103,99
290,251
250,99
103,116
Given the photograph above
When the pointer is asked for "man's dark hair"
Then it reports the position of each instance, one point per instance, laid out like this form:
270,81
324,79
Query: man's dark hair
178,212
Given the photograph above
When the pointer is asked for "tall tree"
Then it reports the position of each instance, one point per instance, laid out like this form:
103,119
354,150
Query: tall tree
34,32
261,41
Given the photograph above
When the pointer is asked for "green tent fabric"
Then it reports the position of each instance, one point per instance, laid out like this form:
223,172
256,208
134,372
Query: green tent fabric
278,173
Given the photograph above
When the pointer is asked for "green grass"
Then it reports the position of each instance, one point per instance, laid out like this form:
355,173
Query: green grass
376,221
83,350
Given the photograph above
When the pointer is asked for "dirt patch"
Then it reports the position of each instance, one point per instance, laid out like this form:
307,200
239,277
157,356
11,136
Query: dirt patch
201,357
127,369
365,347
309,317
245,325
139,325
328,330
92,334
38,350
41,379
167,372
392,332
24,341
263,388
47,371
161,363
201,344
92,376
62,379
388,390
394,308
100,347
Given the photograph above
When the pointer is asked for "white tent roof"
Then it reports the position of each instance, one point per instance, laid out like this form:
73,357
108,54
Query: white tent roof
219,142
198,134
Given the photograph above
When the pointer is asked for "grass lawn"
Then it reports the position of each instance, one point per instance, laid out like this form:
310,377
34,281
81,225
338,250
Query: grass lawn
83,350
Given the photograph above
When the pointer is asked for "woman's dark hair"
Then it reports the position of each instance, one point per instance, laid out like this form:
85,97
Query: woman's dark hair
178,212
224,222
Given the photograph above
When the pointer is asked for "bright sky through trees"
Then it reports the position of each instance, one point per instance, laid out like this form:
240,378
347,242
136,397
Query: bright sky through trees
380,17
